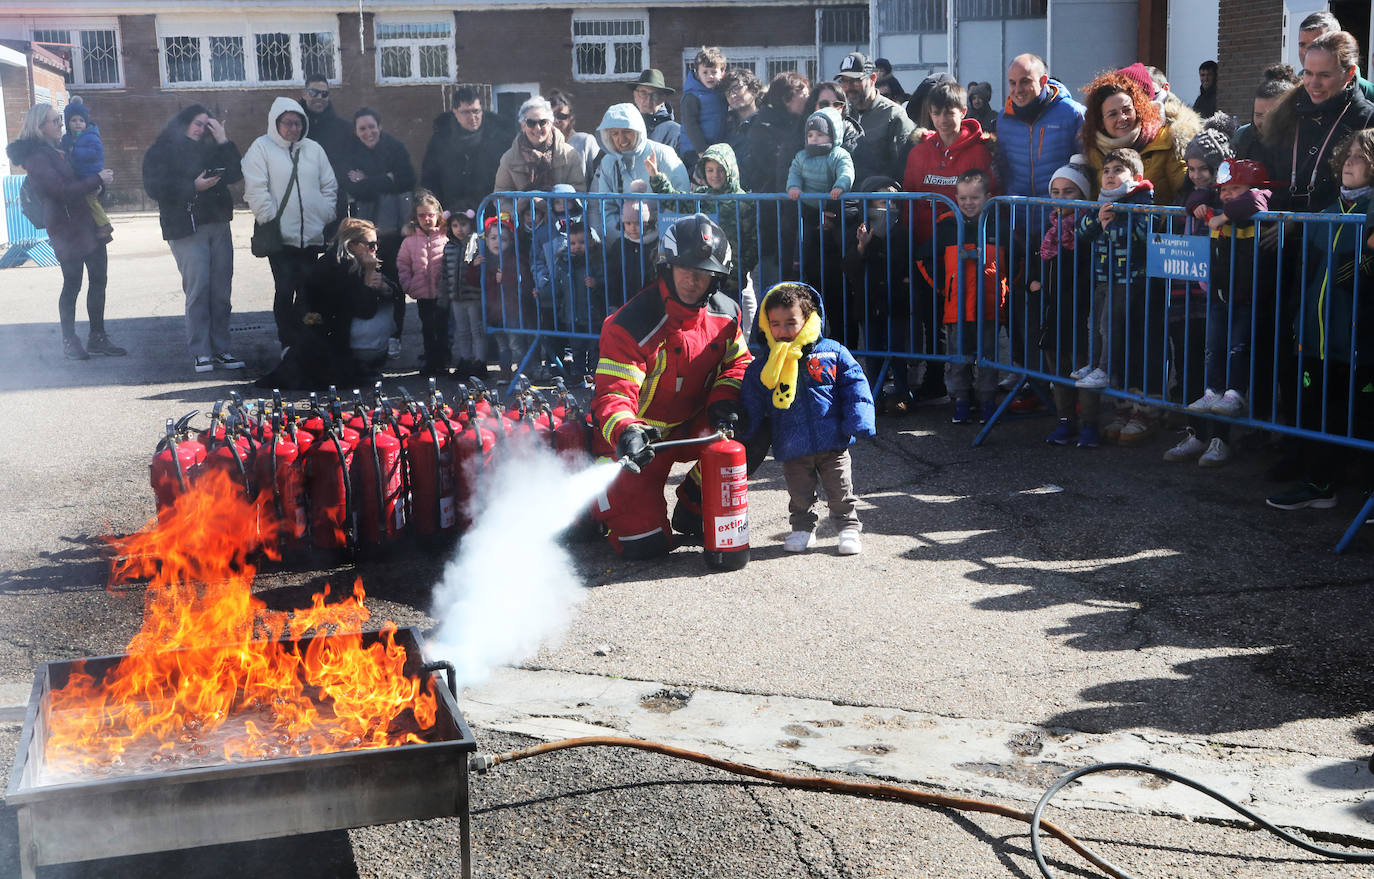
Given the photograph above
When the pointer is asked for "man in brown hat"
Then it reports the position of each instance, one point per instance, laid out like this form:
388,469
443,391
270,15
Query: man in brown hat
651,93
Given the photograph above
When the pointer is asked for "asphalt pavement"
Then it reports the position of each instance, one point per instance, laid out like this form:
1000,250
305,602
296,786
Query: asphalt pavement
1019,610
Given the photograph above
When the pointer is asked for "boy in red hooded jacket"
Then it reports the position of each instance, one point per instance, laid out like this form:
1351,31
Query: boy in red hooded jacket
958,144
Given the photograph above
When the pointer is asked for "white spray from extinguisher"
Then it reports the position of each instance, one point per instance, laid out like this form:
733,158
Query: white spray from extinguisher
511,587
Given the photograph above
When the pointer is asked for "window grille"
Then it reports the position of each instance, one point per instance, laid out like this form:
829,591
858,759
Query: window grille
609,48
93,52
911,16
416,51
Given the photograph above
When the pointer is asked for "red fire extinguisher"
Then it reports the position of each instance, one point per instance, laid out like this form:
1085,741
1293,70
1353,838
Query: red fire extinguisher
473,449
332,510
725,503
176,464
433,490
279,467
377,482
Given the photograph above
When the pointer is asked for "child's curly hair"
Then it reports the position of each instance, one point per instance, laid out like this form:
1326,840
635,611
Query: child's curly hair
788,294
421,198
1357,142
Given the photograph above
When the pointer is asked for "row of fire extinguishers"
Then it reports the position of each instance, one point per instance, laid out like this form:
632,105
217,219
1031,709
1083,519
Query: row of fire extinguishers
359,476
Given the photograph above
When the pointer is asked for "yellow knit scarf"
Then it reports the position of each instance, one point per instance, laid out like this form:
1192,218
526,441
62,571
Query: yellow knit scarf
780,372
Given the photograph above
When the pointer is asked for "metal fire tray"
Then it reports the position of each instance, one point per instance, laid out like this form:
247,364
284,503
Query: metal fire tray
237,802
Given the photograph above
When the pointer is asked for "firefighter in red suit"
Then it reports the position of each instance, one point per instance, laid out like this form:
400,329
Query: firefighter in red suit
672,359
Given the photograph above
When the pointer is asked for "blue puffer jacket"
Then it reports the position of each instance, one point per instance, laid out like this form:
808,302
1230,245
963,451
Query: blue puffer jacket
832,408
1034,152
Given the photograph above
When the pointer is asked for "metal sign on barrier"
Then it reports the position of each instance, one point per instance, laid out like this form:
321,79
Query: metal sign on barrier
1185,257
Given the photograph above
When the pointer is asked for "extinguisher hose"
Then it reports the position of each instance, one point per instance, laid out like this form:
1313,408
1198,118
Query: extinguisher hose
176,462
276,493
438,481
238,459
878,790
350,535
381,489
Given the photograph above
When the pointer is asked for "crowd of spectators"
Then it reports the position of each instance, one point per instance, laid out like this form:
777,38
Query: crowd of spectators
333,200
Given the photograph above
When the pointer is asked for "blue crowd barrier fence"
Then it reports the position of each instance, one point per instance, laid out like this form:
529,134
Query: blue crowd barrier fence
26,242
1166,314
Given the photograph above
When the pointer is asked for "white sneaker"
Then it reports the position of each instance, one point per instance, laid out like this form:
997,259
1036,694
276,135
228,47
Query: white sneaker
1095,379
850,543
225,360
799,541
1081,371
1230,403
1191,447
204,364
1206,402
1216,454
393,347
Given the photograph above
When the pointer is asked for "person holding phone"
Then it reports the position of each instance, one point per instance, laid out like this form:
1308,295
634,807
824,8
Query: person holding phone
187,171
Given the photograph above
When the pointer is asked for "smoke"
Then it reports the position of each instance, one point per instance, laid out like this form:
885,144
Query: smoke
511,586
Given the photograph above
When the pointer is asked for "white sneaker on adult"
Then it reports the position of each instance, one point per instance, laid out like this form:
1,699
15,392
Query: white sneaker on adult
1230,403
1098,378
1190,448
799,541
850,543
225,360
1205,403
1216,454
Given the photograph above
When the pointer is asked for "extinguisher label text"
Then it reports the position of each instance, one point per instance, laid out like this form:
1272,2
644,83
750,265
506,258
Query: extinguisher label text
731,531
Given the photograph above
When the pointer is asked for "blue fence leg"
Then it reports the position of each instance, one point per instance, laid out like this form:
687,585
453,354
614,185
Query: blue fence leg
1365,512
1001,407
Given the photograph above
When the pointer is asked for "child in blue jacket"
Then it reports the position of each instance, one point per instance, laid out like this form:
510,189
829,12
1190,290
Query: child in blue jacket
815,396
86,154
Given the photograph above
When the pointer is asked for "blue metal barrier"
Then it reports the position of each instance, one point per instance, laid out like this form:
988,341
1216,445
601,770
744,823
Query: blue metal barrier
1295,341
1150,333
880,311
26,242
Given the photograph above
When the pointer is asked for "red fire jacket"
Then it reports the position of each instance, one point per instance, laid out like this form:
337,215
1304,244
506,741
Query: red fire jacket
662,363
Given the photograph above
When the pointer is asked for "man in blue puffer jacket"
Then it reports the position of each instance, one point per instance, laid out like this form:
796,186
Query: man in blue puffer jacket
1037,134
813,395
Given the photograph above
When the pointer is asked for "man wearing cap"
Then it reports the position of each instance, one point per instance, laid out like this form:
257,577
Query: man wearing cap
650,94
882,148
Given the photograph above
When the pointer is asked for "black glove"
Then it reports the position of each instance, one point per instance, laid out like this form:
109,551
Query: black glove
728,412
633,449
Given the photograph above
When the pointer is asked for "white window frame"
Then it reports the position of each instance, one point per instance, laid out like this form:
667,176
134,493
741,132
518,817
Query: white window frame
609,15
513,88
202,28
74,27
760,56
414,43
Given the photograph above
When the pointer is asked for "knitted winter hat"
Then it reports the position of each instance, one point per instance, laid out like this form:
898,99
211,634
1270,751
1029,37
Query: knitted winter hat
1141,75
1076,171
1210,146
77,108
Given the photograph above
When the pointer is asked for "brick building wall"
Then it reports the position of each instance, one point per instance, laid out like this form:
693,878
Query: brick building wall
1249,39
17,84
493,46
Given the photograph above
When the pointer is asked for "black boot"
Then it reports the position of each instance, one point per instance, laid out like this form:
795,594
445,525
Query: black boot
71,346
99,343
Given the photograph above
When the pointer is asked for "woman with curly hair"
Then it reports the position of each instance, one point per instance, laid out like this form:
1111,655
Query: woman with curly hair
1121,113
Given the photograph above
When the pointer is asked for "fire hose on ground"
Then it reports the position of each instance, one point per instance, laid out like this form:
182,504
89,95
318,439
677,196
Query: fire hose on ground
877,790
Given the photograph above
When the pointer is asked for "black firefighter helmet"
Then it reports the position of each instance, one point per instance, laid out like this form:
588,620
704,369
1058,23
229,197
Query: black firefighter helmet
696,242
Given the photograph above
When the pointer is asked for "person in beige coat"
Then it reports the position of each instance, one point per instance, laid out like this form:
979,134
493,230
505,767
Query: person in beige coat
310,206
538,159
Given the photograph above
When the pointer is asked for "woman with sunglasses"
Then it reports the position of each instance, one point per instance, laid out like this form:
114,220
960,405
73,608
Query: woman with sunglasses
346,305
565,120
538,159
830,94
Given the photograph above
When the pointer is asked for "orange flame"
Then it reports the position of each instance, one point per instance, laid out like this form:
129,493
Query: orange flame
214,675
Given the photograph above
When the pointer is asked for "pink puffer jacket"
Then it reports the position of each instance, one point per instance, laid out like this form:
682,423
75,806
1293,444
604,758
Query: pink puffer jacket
419,262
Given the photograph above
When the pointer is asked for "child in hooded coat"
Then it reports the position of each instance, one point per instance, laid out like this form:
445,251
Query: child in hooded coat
737,217
86,154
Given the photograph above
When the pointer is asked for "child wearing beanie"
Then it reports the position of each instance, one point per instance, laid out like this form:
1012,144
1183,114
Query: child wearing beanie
813,394
1065,330
86,153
